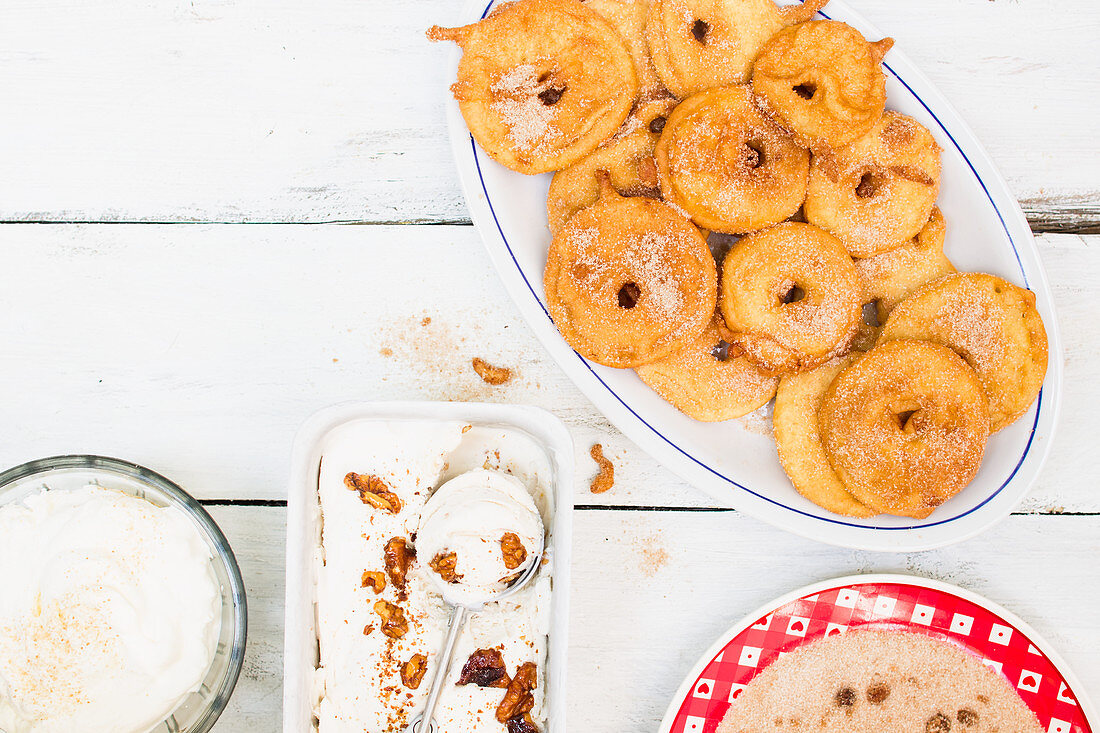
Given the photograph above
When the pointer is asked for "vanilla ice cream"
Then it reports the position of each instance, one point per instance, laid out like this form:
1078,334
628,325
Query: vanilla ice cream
489,522
109,612
359,686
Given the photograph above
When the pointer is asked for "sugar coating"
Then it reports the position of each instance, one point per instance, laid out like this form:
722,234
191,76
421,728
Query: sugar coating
868,681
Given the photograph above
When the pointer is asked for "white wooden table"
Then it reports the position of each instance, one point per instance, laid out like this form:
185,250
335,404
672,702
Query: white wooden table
221,215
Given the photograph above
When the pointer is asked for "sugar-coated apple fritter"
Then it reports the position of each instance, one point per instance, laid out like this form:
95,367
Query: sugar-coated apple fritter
877,193
541,83
791,296
823,81
629,280
905,427
991,323
730,167
709,379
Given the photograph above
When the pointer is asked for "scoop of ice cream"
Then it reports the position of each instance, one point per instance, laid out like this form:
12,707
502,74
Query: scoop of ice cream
478,533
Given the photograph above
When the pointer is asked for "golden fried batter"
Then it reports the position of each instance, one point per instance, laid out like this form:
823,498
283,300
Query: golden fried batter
893,276
823,81
905,427
730,167
541,83
629,280
792,297
709,379
799,442
629,17
991,323
627,157
877,193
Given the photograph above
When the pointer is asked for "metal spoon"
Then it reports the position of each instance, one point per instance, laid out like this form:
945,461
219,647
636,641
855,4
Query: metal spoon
459,611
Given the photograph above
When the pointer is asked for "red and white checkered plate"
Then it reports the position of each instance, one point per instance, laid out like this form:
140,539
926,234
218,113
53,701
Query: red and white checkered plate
997,637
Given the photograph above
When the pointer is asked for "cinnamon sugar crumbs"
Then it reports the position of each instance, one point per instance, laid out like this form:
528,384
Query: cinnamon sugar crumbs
490,374
605,477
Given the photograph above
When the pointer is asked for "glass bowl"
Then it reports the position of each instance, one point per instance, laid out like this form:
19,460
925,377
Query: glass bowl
198,712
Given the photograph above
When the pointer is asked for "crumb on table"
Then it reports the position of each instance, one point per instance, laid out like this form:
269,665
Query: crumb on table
605,477
491,374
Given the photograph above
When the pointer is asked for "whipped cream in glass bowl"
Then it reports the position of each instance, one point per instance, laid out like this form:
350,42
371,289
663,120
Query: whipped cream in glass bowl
123,608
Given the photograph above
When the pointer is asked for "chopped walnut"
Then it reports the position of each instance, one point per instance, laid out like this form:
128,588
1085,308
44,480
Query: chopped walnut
445,564
522,724
368,629
397,557
375,580
374,491
490,374
605,478
394,623
412,671
485,668
518,700
514,551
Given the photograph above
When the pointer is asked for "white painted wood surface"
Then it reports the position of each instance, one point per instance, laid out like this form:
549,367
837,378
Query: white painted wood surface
653,590
288,110
197,349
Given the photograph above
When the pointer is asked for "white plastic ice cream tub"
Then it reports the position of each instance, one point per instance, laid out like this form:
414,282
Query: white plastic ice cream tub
304,524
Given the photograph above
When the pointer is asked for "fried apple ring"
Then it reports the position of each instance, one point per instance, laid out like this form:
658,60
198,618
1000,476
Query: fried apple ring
629,280
701,44
893,276
799,442
990,323
877,193
792,296
822,81
627,157
905,427
541,83
728,165
628,17
709,379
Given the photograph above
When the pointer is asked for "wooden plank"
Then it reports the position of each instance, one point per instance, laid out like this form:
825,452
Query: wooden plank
198,350
292,111
680,579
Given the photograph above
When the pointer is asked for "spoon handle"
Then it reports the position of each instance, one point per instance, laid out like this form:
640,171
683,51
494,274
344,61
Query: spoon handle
439,676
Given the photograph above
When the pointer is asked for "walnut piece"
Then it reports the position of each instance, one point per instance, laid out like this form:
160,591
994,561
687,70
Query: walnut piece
518,700
373,491
490,374
375,580
368,629
514,551
412,671
444,564
394,623
522,724
397,557
605,478
485,668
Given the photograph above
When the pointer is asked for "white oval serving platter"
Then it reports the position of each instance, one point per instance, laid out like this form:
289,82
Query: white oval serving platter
735,462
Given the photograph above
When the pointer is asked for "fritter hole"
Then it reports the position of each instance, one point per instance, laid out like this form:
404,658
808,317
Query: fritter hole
868,185
551,96
700,29
721,351
657,125
754,153
629,295
806,91
793,295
